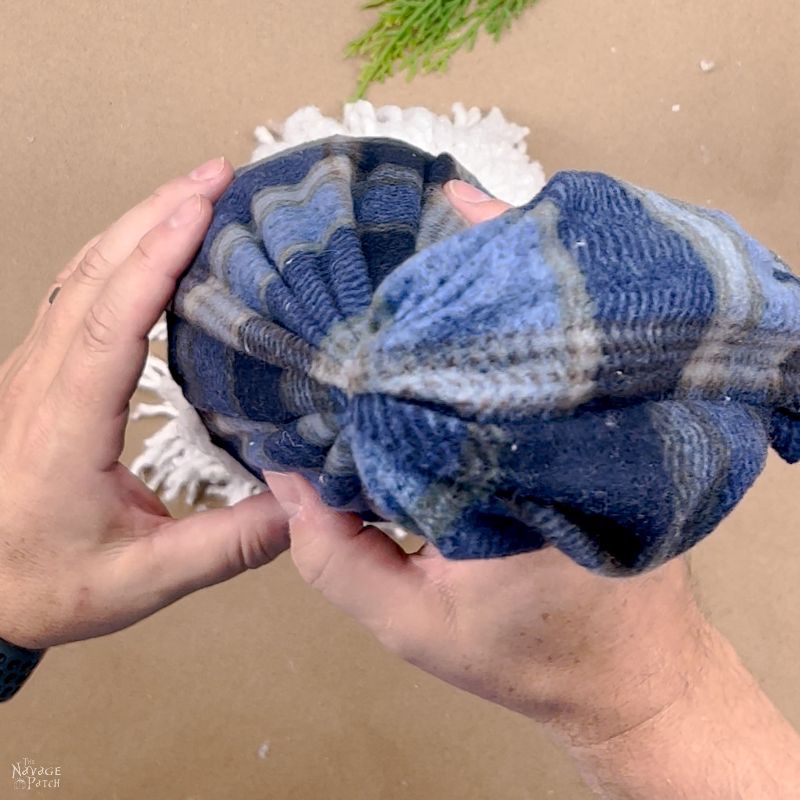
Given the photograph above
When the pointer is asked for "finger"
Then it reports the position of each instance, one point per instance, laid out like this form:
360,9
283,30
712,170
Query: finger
22,354
71,266
27,345
360,570
63,277
200,550
94,385
85,277
472,203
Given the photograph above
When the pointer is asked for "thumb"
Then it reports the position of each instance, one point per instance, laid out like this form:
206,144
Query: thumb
205,548
472,203
358,569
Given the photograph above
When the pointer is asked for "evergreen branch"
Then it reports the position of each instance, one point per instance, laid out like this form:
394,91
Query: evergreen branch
423,35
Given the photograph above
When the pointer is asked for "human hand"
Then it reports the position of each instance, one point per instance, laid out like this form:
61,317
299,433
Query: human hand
85,547
586,654
536,632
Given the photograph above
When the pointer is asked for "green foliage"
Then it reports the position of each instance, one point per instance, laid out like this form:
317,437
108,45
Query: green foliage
423,35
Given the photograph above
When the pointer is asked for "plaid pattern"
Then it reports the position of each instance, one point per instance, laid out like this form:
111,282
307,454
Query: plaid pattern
602,369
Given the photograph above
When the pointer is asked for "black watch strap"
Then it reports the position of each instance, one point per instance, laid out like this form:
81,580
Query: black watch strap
16,664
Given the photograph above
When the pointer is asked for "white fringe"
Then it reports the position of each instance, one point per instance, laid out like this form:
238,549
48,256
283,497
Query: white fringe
179,460
490,147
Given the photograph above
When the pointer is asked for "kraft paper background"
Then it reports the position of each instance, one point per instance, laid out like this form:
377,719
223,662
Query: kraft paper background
101,102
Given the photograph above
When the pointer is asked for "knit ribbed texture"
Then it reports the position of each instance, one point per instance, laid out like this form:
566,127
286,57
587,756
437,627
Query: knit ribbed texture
601,369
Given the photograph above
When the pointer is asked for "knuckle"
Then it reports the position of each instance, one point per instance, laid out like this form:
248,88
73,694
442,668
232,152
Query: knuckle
144,254
72,264
67,272
313,566
98,329
254,548
252,553
160,201
93,268
248,552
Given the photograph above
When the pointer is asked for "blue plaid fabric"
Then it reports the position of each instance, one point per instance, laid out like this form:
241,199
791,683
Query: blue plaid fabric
601,369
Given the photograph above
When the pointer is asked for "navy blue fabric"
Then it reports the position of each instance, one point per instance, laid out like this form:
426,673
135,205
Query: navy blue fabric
602,369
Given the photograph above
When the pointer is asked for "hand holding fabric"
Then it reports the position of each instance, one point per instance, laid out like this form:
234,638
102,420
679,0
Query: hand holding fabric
86,548
533,632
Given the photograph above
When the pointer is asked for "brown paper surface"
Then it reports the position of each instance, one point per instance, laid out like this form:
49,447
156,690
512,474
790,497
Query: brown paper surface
256,688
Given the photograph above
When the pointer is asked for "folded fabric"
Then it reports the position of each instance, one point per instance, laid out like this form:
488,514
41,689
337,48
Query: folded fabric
601,369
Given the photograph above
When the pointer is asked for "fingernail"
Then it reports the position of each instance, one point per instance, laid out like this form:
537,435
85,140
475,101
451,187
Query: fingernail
466,192
208,170
285,491
188,211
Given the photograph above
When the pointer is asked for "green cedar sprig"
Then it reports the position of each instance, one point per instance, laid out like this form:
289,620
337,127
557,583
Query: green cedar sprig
423,35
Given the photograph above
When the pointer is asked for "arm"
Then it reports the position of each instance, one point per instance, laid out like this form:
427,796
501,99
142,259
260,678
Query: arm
720,738
691,720
650,701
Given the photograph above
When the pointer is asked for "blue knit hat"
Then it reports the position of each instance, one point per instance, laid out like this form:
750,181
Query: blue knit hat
601,369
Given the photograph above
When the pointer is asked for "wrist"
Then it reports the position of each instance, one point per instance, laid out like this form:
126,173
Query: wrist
655,677
20,617
658,678
721,737
15,630
647,660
